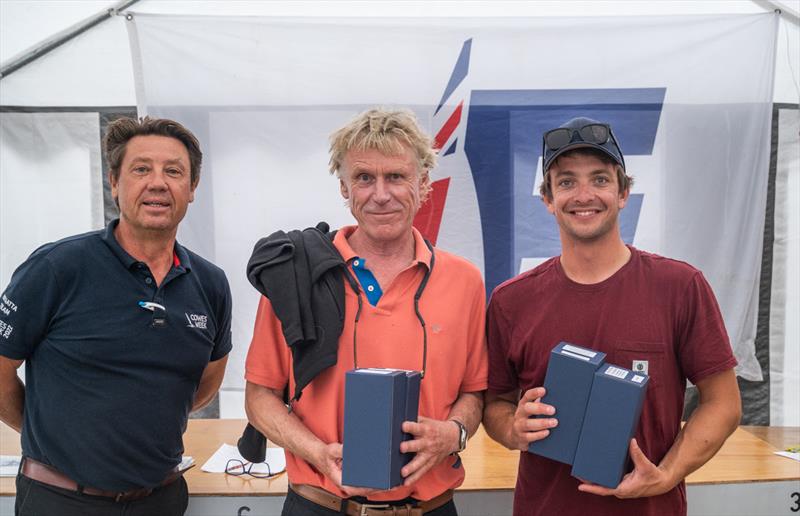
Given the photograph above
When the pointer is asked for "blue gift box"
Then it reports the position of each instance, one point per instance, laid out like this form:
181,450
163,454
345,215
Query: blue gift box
568,381
612,416
376,403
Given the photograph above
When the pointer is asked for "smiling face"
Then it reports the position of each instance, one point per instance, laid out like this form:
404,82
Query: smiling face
153,188
585,198
383,192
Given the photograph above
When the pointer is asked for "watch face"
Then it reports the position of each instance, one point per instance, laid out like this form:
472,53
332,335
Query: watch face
462,443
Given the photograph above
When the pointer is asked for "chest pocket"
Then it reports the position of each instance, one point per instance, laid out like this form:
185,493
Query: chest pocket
642,357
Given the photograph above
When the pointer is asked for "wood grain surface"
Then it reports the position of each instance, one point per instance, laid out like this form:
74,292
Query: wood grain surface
744,458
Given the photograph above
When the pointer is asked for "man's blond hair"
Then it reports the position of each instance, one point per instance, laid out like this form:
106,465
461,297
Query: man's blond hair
388,132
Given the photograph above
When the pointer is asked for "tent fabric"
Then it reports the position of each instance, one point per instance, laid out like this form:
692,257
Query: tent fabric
784,353
266,92
95,70
50,181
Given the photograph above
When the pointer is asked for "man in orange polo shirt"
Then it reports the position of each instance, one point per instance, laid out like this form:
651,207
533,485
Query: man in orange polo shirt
383,161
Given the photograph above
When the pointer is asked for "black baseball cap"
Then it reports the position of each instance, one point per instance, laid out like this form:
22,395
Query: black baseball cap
579,133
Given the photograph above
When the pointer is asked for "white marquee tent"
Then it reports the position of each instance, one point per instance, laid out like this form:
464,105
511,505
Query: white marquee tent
52,189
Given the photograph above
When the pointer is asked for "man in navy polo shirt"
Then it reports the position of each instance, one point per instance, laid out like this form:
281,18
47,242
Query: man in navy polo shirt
123,332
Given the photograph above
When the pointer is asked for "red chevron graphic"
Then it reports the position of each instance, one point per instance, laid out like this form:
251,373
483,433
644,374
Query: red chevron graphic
429,217
447,129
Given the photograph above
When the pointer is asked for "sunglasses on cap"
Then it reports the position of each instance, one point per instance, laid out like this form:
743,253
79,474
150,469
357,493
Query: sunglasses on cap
556,141
590,133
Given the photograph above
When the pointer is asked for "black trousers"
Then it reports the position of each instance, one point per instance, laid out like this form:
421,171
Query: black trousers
38,499
296,505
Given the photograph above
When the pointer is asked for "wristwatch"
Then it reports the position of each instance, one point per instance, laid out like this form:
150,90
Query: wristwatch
462,436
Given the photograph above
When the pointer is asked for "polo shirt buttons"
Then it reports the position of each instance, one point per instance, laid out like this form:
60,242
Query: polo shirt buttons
370,287
148,280
356,262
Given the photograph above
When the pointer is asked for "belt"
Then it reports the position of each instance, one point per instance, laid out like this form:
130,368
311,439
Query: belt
49,475
330,501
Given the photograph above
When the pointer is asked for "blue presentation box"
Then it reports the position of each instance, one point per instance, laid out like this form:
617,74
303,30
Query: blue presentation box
376,402
611,420
568,381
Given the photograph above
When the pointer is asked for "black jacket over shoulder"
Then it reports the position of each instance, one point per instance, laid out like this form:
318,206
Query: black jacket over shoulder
300,272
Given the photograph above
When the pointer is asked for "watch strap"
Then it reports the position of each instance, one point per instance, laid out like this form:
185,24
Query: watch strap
462,435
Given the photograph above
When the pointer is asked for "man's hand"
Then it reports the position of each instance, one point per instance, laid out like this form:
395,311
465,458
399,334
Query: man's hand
329,463
646,479
527,429
433,441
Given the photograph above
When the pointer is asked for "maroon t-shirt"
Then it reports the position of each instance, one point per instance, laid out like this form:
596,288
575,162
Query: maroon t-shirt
653,309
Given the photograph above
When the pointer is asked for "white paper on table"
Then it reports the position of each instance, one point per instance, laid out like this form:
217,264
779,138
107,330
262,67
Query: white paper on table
274,463
789,455
9,465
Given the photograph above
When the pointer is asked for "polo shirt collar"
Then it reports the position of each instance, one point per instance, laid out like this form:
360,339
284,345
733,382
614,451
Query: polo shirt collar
422,255
180,258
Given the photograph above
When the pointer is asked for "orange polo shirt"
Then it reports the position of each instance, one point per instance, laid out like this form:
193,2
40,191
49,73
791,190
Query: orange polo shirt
389,335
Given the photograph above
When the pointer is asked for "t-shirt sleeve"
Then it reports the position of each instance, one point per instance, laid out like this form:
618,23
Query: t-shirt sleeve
704,347
269,359
223,341
27,307
476,372
502,376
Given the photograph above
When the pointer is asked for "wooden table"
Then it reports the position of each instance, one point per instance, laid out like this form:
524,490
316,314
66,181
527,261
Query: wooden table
745,460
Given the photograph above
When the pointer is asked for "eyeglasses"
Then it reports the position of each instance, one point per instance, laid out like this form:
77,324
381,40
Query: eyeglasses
237,468
591,133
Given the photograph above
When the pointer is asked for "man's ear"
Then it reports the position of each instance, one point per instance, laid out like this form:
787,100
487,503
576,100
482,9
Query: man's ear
343,189
548,203
113,182
623,198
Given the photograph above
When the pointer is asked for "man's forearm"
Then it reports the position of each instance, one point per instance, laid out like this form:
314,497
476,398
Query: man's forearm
498,420
715,418
267,412
468,409
209,383
12,394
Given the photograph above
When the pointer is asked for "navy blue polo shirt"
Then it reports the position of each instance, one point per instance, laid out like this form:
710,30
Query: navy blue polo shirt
109,383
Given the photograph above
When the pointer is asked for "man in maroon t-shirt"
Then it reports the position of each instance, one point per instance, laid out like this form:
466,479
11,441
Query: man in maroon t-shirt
632,305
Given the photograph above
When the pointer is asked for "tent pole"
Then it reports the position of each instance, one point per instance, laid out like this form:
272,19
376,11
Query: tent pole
58,39
783,8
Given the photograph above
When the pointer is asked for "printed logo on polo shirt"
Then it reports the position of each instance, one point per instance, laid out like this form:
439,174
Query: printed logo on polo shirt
198,321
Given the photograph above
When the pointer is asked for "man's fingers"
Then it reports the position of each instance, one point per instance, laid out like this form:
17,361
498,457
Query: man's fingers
537,408
410,427
415,477
414,470
536,436
595,489
535,393
412,446
412,466
528,427
536,424
637,455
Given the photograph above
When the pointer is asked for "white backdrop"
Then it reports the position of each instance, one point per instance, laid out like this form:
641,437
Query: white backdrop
60,191
95,69
263,94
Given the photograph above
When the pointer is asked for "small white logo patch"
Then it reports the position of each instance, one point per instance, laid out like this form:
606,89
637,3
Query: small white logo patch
197,321
640,366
